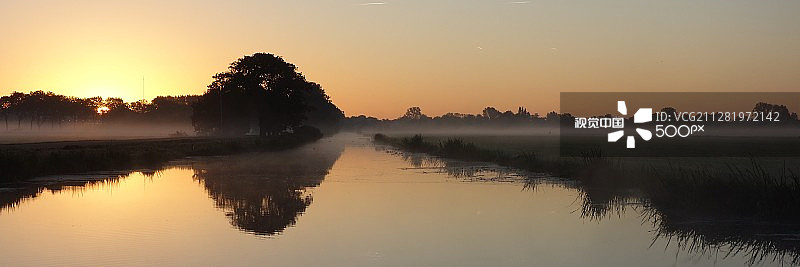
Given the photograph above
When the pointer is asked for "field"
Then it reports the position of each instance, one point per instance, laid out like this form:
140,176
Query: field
20,162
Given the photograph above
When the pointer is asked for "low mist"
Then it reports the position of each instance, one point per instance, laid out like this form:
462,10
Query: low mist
93,131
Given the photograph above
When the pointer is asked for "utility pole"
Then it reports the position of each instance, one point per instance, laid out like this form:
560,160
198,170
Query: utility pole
143,99
220,110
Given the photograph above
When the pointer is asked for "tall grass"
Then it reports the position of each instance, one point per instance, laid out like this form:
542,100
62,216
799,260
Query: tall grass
751,190
606,183
712,211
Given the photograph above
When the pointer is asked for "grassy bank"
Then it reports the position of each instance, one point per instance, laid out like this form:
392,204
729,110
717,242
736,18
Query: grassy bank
686,189
20,162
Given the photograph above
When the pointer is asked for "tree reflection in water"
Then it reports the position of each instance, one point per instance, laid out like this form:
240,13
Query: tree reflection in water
261,193
468,171
14,194
264,193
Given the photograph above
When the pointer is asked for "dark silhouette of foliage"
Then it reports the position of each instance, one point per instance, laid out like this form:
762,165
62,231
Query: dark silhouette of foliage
491,113
270,191
523,113
490,117
414,113
40,108
324,114
781,110
265,91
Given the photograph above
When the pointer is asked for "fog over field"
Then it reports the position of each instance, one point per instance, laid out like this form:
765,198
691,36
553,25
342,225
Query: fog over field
93,131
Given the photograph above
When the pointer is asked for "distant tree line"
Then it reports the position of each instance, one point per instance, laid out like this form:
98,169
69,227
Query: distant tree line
35,109
489,117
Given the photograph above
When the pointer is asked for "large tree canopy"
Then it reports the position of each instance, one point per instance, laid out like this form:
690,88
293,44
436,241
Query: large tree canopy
263,92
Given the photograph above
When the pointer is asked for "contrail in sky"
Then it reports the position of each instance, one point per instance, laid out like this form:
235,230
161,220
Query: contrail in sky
372,3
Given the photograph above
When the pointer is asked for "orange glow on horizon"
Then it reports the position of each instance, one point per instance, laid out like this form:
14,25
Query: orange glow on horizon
374,60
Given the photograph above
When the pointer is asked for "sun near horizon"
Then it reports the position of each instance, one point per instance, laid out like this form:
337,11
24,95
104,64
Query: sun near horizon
379,59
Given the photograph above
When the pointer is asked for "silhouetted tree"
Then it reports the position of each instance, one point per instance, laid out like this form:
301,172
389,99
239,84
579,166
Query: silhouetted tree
552,116
523,113
413,113
260,89
171,108
453,115
783,111
206,113
140,106
491,113
5,108
323,114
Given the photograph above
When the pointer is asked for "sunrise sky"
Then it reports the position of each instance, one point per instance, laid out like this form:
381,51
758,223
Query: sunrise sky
380,57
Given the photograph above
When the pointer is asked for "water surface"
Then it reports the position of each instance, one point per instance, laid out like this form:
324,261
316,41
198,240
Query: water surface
338,202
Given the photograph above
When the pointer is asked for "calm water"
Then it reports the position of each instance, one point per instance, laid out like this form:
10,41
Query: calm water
338,202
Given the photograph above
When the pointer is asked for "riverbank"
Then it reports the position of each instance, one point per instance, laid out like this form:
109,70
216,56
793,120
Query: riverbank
686,189
20,162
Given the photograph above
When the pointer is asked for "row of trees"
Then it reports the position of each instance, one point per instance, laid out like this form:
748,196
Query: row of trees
261,92
41,108
522,114
488,113
490,117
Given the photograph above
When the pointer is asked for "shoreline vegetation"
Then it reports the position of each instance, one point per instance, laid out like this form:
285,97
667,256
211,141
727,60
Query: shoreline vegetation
727,190
22,162
731,207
